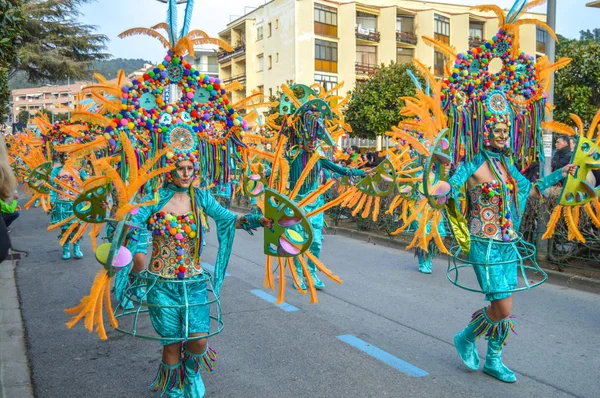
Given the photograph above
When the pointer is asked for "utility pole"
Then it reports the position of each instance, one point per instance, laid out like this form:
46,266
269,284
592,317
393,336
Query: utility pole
551,53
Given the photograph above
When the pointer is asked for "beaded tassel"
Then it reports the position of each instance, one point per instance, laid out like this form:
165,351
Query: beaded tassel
168,377
484,326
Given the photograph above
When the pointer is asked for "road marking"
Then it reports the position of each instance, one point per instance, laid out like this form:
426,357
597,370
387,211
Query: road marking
267,297
211,268
383,356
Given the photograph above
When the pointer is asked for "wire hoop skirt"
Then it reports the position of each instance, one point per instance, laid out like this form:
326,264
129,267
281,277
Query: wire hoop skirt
497,265
170,310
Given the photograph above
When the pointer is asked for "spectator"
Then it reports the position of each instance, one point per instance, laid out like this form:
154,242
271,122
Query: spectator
572,143
354,153
9,211
562,156
8,182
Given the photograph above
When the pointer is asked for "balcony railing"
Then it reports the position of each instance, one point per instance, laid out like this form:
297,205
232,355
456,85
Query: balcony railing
364,69
366,34
476,42
237,78
237,51
406,37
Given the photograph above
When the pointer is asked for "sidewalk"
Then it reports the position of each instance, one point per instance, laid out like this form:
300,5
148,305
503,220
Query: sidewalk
15,379
563,279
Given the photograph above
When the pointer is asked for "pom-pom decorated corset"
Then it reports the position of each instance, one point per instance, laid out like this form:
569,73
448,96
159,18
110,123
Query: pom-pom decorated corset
486,218
174,240
70,181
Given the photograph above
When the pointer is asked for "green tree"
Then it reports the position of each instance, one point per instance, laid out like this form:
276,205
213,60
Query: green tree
10,38
55,46
23,117
590,34
577,86
375,105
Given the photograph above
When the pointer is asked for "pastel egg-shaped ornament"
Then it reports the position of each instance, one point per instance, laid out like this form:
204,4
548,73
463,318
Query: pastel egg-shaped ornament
122,259
192,234
112,142
181,275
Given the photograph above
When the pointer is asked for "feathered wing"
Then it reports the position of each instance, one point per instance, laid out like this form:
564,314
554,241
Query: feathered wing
147,32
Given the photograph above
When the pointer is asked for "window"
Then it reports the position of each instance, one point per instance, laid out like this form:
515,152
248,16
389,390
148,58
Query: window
476,31
366,21
270,63
260,62
261,89
540,40
325,20
404,55
438,63
441,28
270,92
328,82
259,33
277,58
277,24
405,24
366,55
326,56
269,29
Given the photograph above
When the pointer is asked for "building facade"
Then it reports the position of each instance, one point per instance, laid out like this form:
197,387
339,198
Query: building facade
329,42
47,97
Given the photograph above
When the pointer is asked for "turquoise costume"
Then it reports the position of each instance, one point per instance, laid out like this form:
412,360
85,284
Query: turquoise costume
62,208
176,287
493,217
297,163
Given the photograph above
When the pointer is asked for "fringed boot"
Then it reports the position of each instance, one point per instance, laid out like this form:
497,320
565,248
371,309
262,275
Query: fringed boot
169,380
493,360
464,341
194,386
313,272
300,273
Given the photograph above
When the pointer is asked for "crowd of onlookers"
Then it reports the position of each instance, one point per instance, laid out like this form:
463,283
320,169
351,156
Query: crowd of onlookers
366,160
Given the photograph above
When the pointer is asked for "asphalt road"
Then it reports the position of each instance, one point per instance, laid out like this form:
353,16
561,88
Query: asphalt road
265,351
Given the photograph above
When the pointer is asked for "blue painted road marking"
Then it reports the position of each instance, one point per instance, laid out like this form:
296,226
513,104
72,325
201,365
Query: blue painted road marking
211,268
267,297
383,356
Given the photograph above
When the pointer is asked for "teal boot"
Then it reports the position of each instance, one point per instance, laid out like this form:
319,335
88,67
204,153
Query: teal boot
493,360
77,250
66,251
424,262
194,386
300,275
319,285
464,341
169,380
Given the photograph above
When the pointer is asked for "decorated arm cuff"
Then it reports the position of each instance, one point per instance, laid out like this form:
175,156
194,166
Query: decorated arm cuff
250,222
550,180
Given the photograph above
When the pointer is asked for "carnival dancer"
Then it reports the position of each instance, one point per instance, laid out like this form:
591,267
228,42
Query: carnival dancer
62,205
497,195
175,226
306,131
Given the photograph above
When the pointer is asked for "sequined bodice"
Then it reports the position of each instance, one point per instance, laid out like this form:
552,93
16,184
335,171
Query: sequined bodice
174,239
67,180
486,218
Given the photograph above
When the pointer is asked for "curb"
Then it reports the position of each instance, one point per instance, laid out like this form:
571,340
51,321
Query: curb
15,378
563,279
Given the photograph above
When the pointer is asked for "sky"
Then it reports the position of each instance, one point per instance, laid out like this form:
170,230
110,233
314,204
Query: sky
114,16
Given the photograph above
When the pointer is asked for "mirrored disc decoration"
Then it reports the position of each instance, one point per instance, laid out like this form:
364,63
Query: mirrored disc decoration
255,184
292,233
88,206
181,138
437,171
382,183
40,177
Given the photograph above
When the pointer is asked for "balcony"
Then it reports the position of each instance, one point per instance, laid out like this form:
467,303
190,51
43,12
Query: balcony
406,38
364,69
367,34
476,42
237,51
237,78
